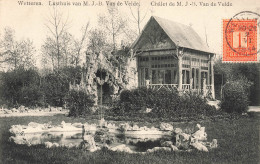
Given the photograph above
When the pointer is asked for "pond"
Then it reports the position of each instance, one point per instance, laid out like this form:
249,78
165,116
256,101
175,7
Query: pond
125,137
137,143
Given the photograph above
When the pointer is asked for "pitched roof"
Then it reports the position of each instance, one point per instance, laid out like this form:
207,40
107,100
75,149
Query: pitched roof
181,35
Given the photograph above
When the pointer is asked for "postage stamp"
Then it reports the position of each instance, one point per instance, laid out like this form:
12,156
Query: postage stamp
240,39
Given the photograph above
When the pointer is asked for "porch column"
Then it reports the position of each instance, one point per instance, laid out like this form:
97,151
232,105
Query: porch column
208,73
200,82
179,70
190,75
195,78
204,87
212,76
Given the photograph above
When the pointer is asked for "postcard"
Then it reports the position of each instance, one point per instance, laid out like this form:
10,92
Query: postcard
129,81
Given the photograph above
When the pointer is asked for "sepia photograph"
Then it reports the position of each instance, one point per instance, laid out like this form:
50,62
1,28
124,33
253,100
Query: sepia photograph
130,81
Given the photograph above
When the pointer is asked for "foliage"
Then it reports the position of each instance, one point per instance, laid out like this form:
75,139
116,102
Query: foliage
56,84
79,103
28,88
16,53
114,24
55,89
21,87
164,103
97,41
235,96
233,71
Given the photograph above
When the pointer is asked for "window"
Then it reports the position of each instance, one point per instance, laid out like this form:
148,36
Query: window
144,75
154,76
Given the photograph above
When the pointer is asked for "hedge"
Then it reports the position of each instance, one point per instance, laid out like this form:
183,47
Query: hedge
163,102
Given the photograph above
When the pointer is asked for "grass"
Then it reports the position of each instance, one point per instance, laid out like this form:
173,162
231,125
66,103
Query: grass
238,141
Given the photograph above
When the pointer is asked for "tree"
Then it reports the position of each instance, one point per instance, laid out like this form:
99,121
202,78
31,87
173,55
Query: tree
67,49
138,17
97,41
53,44
61,46
79,45
113,24
48,52
21,87
16,53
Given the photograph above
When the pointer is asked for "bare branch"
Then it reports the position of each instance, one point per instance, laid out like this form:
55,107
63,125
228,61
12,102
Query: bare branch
132,13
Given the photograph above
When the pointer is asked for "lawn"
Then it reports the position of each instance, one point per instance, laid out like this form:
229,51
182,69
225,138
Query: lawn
238,141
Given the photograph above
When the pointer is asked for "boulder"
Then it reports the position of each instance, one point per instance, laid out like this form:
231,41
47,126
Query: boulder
135,127
185,136
77,125
55,145
111,126
144,128
148,110
16,129
166,127
177,130
21,108
159,149
213,144
154,129
33,124
64,125
197,127
200,135
183,141
14,110
70,145
48,144
199,146
90,127
174,148
59,108
88,143
8,111
122,148
167,144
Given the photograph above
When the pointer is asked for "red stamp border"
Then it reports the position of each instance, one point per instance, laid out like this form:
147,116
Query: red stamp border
238,53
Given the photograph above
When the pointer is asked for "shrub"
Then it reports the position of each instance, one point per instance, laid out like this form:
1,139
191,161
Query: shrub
164,103
26,86
32,96
56,84
21,87
235,97
55,89
79,103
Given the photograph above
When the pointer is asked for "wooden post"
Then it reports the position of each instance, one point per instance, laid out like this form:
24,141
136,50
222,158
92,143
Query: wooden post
195,79
191,81
190,75
200,82
204,87
179,70
208,73
185,77
212,76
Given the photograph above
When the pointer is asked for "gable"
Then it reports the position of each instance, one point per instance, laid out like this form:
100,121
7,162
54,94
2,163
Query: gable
153,37
161,33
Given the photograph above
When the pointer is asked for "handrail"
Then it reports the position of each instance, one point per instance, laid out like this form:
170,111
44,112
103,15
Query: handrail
159,86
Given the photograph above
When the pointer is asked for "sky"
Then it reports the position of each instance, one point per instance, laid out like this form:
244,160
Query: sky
29,21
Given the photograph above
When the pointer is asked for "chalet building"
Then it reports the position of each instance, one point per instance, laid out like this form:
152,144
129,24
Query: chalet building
172,55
